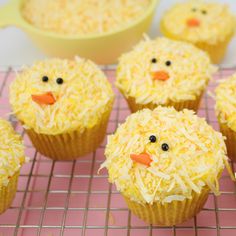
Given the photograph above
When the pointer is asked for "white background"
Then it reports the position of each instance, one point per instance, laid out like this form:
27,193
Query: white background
16,49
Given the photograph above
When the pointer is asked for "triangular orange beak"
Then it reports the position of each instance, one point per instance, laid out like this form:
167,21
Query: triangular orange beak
193,22
44,99
143,158
160,75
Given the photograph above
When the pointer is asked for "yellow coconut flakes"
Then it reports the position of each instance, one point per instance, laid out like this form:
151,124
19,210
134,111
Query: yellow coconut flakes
189,72
11,152
217,23
195,159
73,17
81,100
226,102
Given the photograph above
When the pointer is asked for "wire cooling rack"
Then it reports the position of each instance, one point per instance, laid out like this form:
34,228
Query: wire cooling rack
70,198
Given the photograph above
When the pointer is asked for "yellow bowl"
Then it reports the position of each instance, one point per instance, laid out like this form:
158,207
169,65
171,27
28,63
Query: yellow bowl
101,48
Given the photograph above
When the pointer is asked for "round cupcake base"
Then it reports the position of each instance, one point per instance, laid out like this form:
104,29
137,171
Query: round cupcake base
230,140
7,193
189,104
169,214
72,145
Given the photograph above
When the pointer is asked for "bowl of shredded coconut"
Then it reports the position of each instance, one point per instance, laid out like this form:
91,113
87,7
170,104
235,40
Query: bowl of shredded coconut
100,30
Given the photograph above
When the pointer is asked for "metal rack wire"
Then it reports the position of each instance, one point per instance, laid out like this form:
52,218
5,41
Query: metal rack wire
70,198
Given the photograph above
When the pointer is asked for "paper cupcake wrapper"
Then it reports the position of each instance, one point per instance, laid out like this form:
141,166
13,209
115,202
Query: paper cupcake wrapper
216,51
230,140
169,214
189,104
8,193
71,145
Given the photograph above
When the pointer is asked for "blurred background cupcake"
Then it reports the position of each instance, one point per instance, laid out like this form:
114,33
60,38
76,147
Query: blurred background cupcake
164,72
12,157
226,113
165,163
210,26
64,106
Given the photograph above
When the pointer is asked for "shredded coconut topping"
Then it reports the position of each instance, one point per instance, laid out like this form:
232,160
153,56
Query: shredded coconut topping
226,102
195,159
189,72
73,17
11,152
81,100
216,21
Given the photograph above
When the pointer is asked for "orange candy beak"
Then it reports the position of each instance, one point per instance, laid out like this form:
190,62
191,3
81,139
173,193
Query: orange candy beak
193,22
143,159
44,99
160,75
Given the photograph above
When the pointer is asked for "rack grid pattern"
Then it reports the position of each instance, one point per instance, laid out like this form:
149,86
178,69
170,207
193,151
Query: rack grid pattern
70,198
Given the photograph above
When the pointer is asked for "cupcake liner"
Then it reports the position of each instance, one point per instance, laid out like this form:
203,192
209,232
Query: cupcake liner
71,145
230,140
169,214
7,193
215,51
189,104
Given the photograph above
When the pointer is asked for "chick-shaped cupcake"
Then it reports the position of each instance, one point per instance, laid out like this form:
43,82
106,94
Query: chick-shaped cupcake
164,72
12,157
208,25
64,106
226,113
164,163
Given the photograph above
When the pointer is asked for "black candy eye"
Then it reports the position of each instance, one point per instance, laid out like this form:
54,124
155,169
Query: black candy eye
154,60
204,12
59,81
194,9
165,147
168,63
45,79
152,138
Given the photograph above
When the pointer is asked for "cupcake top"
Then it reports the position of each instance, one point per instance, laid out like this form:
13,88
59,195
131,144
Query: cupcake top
226,102
56,96
163,155
73,17
199,21
163,70
11,152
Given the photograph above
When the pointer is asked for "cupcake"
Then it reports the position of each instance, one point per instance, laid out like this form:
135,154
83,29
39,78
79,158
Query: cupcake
164,72
210,26
226,113
64,106
164,163
12,157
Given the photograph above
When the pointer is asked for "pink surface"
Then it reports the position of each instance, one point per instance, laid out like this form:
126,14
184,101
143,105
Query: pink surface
70,198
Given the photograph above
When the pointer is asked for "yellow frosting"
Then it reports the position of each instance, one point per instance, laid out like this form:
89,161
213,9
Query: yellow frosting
216,21
11,152
196,156
81,100
226,102
71,17
189,72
